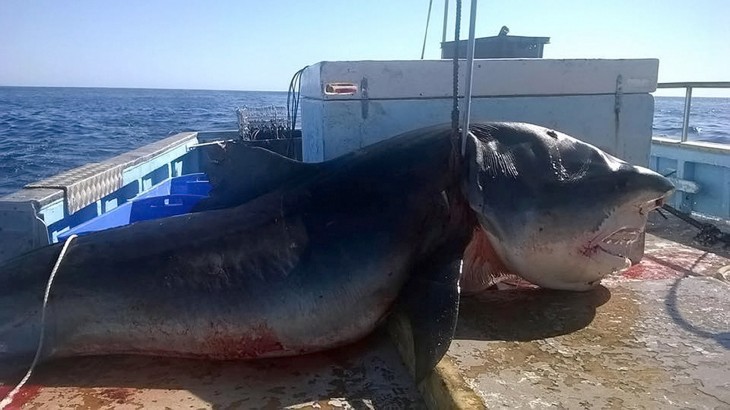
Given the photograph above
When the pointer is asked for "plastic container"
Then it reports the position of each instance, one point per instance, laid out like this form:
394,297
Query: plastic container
193,184
118,216
173,196
162,207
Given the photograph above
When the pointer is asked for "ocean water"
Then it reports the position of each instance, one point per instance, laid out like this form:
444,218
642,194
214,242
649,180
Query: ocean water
44,131
709,118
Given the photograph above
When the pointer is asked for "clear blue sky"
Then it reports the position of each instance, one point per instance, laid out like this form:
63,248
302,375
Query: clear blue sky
258,45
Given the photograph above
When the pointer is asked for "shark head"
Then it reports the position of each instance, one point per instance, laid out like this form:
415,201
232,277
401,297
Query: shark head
557,211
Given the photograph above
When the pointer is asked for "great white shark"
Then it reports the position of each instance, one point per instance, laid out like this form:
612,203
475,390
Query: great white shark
287,258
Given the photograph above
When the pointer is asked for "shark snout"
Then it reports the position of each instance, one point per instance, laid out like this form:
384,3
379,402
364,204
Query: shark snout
649,184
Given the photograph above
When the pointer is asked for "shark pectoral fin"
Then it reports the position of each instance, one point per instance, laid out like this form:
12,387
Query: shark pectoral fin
482,268
424,318
239,173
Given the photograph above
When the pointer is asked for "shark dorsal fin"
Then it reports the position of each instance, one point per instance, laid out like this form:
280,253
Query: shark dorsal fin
239,172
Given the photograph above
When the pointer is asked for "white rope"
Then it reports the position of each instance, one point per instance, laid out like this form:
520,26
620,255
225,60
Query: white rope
11,395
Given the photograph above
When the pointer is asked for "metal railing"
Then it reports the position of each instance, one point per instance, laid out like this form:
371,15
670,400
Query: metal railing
688,97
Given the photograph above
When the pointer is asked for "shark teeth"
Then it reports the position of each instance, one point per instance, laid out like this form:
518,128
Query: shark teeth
619,243
623,235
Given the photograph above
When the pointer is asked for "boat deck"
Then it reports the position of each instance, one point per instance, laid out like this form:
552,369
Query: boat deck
658,336
368,374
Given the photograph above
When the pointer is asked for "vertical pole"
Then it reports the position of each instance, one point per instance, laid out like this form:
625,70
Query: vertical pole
685,120
446,22
469,75
425,35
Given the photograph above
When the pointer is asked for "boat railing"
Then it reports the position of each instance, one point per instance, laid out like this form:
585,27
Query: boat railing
700,170
689,86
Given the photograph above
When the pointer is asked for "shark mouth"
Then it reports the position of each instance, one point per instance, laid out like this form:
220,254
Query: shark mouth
619,243
616,244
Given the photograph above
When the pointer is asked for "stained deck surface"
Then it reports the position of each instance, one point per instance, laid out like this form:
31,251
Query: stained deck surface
366,375
657,336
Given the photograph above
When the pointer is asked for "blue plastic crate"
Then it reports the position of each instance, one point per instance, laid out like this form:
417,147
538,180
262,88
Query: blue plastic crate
192,184
173,196
118,216
162,207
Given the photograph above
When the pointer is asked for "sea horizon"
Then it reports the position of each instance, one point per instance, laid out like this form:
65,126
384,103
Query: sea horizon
250,90
45,130
136,88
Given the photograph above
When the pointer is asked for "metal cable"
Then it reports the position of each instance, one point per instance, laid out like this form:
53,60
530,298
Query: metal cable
292,108
708,235
455,110
469,75
292,99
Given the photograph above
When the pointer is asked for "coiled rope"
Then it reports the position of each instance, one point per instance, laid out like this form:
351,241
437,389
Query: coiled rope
11,395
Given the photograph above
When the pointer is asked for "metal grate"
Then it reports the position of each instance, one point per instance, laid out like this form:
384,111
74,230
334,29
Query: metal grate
264,122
